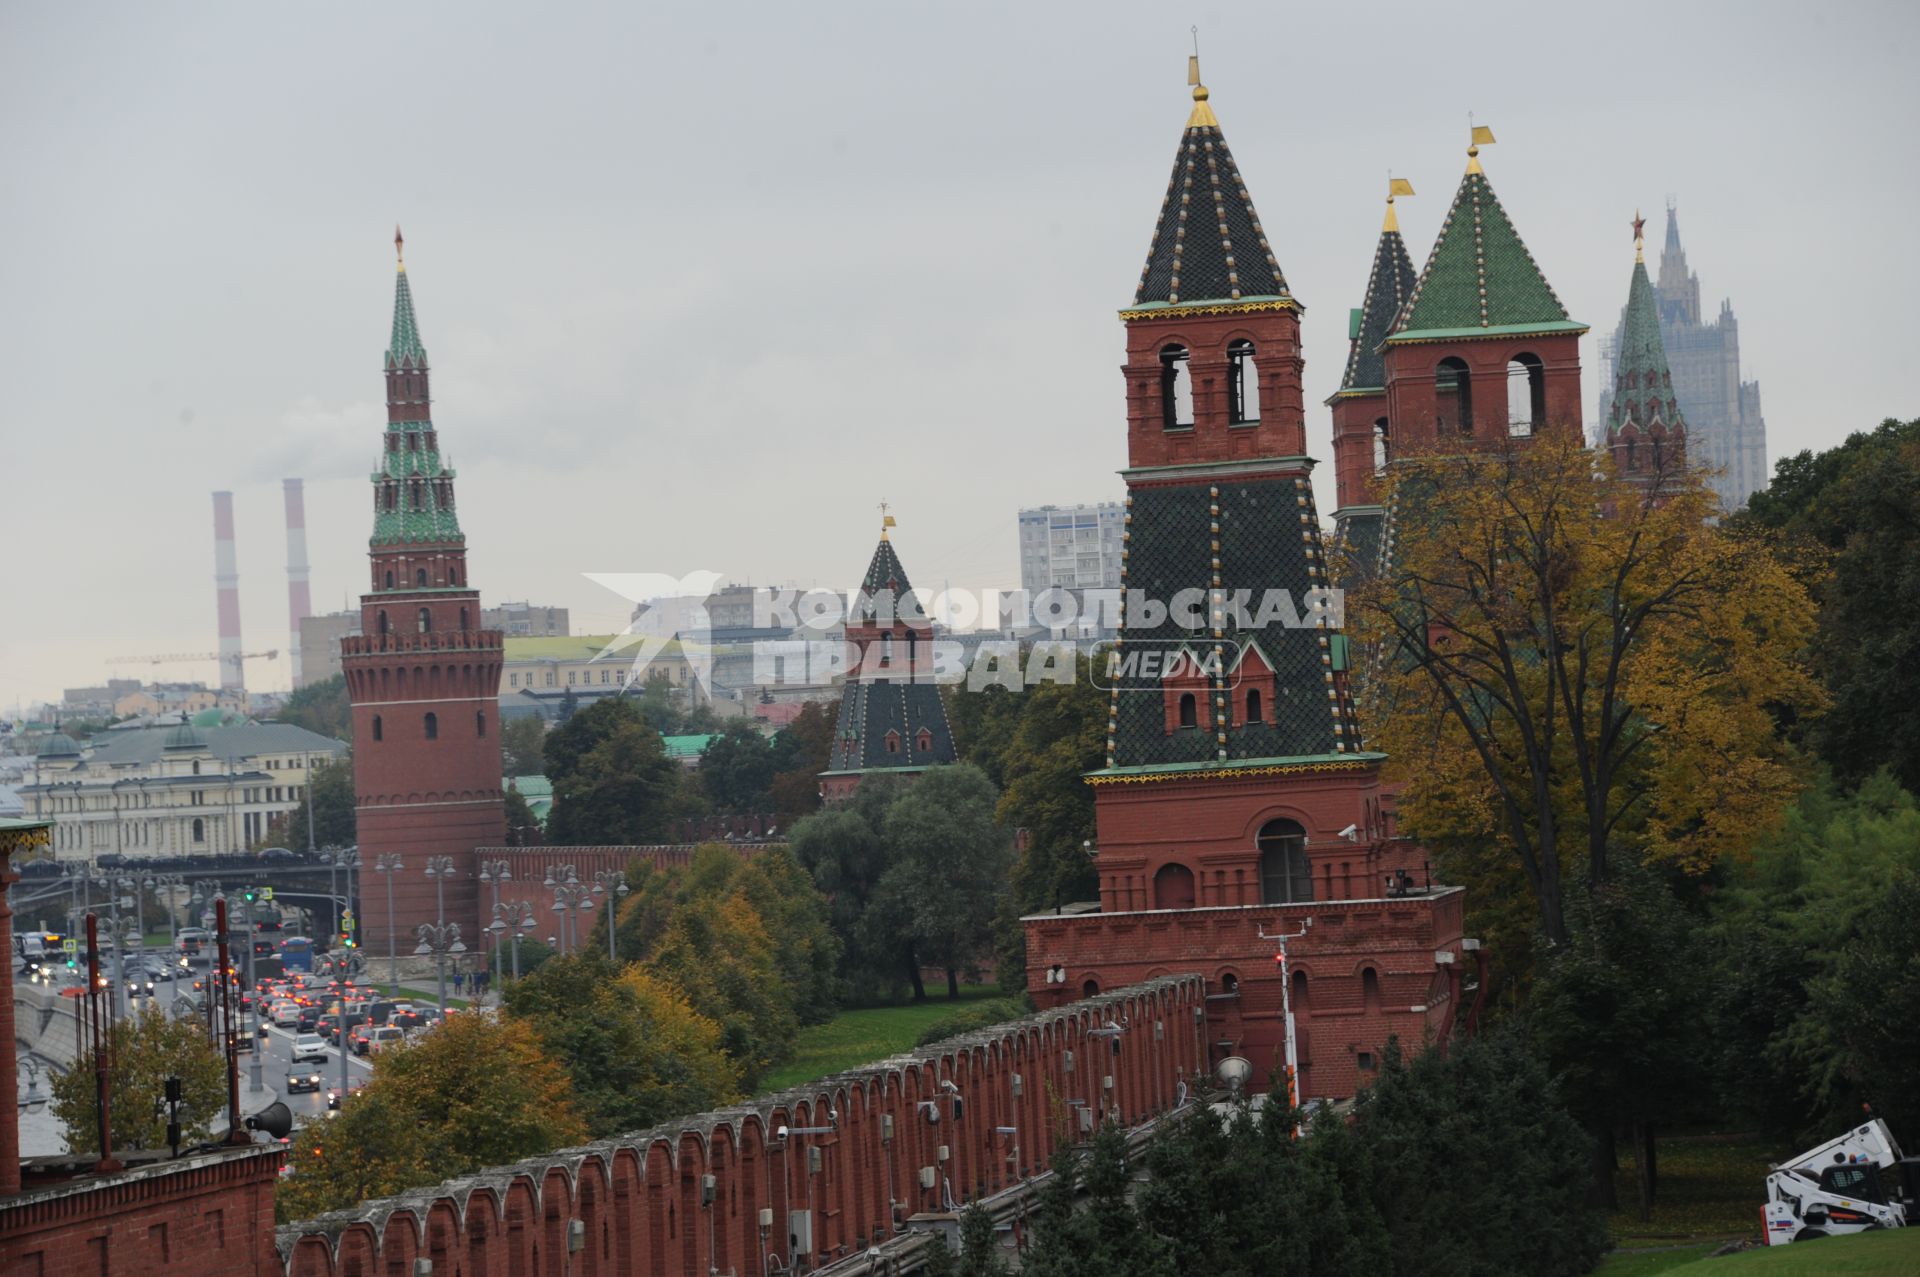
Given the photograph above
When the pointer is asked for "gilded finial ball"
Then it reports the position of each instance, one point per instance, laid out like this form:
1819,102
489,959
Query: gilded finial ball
1199,93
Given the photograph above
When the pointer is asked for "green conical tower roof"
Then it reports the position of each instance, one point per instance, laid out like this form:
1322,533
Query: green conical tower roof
1480,279
1642,384
404,347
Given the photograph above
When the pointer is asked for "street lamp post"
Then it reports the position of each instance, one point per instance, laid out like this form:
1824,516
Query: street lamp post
613,885
348,859
440,939
571,896
493,873
389,863
515,917
170,884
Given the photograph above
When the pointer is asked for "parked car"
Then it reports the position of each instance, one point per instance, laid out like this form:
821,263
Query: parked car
309,1047
303,1080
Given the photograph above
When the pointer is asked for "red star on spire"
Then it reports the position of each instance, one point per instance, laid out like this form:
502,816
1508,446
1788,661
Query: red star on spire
1639,223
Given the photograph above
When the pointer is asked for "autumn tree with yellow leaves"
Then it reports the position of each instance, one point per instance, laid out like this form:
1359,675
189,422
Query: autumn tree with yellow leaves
476,1091
1564,665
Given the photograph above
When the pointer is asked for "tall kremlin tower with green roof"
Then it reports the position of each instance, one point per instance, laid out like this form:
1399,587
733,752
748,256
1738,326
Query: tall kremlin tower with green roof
1646,433
423,675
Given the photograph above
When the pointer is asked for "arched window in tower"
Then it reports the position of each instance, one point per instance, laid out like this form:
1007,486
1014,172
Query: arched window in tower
1659,454
1254,708
379,732
1453,396
1526,395
886,649
1173,887
393,496
426,620
196,767
383,618
1382,451
413,442
1189,710
1243,383
389,578
1370,988
453,575
1285,877
1176,388
393,442
463,620
420,577
480,723
199,829
1090,988
414,490
1302,1004
1633,453
432,725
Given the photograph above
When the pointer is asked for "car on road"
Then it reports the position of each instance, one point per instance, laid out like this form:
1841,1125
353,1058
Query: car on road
309,1047
309,1020
382,1037
303,1080
285,1014
335,1095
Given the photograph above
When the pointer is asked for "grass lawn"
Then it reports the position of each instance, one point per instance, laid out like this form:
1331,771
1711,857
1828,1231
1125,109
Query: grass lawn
1893,1252
861,1036
1711,1189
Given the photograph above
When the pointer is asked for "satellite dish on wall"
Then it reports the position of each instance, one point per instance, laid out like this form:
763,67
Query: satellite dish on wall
1234,1071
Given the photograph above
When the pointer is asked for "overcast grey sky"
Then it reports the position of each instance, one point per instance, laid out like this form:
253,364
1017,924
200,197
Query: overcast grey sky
702,284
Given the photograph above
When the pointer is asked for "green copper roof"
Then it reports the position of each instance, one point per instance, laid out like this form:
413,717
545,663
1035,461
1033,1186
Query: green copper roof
405,341
1642,384
1480,274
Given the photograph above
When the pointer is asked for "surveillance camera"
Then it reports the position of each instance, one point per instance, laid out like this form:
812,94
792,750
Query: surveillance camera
780,1133
833,1116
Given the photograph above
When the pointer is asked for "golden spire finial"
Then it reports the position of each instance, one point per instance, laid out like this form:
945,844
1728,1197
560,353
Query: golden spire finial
1639,238
1202,116
886,520
1482,136
399,248
1395,186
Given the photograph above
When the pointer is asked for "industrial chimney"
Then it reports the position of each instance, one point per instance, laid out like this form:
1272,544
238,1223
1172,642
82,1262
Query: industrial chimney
299,606
226,578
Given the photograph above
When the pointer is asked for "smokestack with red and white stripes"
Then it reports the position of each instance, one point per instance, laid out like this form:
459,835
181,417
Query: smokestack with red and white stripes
299,605
226,578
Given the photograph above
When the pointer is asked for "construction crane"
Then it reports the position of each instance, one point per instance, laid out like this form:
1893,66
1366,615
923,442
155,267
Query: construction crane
181,658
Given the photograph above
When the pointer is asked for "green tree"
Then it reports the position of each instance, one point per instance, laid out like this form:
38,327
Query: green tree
1868,1009
333,808
613,783
568,707
841,847
737,769
477,1091
801,751
948,865
979,1248
1810,900
636,1050
1617,1014
1851,517
145,1050
523,827
523,741
1475,1165
322,708
1084,1224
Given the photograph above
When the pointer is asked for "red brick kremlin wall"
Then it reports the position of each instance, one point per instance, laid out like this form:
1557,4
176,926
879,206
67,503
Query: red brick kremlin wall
634,1205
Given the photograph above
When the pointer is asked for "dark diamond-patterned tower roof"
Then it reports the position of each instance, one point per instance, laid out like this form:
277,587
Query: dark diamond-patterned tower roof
1208,244
1389,287
890,718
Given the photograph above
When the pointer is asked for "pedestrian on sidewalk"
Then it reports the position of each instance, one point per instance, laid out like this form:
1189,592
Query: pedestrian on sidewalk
459,978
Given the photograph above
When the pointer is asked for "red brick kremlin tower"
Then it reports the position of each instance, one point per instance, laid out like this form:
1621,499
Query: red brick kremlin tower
1238,800
423,677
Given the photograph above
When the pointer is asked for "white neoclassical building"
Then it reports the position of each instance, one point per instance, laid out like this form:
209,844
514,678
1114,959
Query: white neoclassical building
171,790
